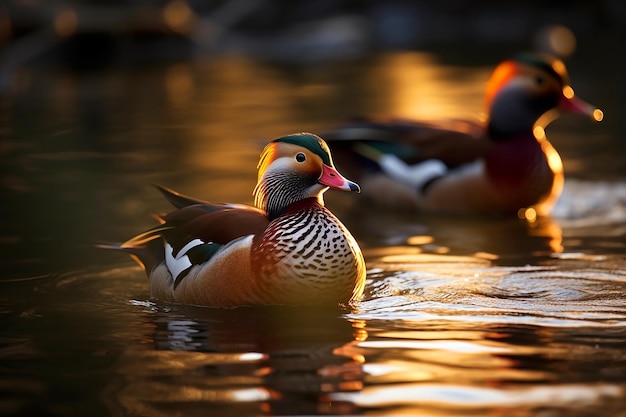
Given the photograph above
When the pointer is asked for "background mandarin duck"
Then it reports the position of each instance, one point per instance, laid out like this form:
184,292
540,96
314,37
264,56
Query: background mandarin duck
502,166
290,249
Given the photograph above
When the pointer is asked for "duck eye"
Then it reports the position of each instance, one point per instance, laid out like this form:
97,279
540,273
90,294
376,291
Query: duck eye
300,157
539,80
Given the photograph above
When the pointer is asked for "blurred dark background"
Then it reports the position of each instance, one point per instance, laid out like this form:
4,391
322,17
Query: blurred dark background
94,34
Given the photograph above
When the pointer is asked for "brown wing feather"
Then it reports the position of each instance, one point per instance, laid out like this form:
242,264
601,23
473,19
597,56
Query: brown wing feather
454,142
220,226
217,223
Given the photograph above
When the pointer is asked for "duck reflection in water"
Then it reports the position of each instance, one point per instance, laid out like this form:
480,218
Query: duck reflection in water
390,238
273,359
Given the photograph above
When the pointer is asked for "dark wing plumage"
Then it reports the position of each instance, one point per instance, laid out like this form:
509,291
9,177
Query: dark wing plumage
177,199
455,142
214,224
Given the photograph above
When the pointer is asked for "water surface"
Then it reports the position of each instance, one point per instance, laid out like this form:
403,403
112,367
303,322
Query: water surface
462,316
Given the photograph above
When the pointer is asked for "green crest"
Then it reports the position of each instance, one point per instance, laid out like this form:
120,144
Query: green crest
547,63
311,142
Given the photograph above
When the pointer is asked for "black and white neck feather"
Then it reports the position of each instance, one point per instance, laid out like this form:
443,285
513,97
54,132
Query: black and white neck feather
277,190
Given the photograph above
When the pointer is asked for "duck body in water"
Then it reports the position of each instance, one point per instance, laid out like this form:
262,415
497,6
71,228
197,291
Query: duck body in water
289,249
504,165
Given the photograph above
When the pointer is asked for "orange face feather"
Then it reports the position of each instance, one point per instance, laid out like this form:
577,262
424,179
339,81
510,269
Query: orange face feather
311,165
500,76
267,157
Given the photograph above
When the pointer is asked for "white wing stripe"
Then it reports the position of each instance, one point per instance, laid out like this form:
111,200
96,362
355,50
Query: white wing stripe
179,263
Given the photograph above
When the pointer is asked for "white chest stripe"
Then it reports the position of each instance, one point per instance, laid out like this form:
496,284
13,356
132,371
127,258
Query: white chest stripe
180,262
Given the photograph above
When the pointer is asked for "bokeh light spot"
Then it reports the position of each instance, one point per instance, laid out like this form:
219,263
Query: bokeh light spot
598,115
561,40
66,23
568,91
529,214
178,16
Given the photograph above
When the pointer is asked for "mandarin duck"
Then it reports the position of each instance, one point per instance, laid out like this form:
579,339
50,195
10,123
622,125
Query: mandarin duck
505,165
289,249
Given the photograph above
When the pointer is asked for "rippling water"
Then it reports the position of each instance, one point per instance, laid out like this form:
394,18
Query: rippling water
462,316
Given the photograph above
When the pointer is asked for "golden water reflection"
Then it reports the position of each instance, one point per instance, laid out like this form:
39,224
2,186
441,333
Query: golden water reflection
415,85
250,361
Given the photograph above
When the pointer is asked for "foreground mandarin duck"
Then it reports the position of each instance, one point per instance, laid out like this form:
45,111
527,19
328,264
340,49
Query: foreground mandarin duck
505,165
289,249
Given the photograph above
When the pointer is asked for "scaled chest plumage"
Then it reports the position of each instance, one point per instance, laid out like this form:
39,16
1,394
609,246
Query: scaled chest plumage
309,245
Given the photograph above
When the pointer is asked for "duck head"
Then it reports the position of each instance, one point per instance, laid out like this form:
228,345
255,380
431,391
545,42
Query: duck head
523,89
293,168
